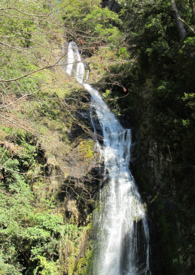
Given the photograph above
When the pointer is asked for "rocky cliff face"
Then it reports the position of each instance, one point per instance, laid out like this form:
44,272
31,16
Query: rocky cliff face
167,190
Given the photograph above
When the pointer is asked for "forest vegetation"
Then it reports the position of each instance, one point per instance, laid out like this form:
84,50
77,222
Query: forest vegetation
142,59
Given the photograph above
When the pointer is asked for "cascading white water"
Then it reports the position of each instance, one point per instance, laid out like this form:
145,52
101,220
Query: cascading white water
123,235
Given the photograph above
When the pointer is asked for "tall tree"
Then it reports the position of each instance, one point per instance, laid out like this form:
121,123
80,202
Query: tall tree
180,25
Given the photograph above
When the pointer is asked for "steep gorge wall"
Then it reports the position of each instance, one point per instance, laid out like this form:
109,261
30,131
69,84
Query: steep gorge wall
167,191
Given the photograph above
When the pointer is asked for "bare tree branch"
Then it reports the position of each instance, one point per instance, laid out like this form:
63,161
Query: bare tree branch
13,102
33,15
18,125
30,73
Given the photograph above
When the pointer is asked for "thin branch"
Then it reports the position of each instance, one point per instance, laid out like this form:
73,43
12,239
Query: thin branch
12,121
13,102
21,173
34,15
41,69
123,96
6,193
187,25
18,125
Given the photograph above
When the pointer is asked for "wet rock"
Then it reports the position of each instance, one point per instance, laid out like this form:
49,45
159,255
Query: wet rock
111,4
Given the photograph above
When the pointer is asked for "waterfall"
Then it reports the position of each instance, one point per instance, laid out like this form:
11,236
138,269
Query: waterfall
122,241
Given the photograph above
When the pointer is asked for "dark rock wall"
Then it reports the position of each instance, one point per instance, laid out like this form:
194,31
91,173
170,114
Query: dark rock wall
168,194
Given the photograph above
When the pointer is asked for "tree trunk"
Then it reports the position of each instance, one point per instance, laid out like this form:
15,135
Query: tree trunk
180,25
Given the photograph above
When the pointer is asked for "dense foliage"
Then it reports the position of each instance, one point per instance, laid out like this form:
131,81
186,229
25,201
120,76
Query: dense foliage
41,228
163,72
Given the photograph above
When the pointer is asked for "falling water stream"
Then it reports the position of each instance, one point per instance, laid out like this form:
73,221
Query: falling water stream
122,242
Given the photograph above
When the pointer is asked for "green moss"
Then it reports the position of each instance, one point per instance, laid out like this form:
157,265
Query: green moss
85,148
